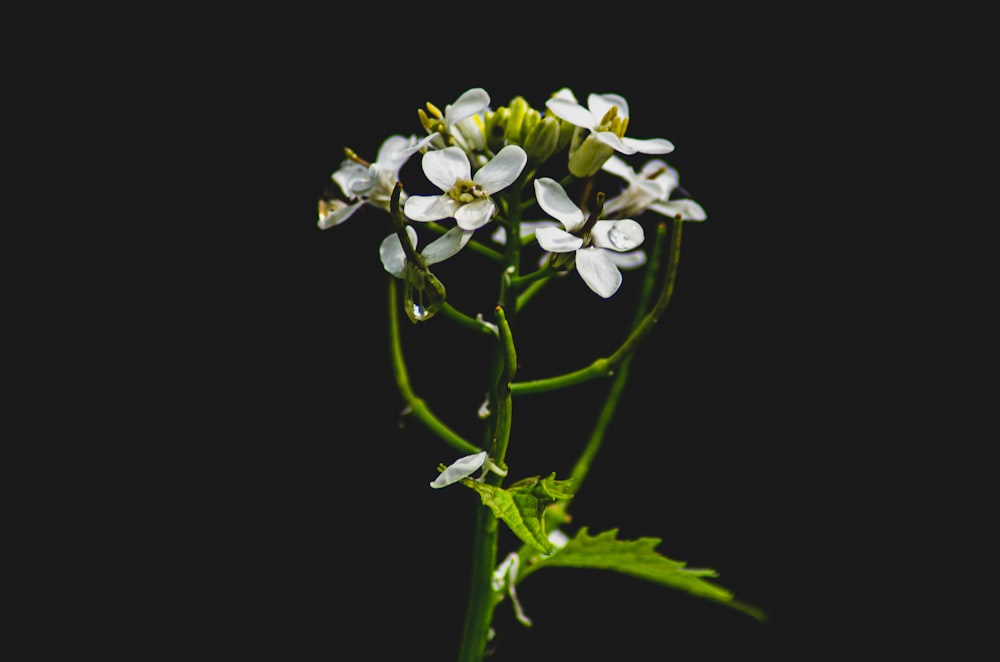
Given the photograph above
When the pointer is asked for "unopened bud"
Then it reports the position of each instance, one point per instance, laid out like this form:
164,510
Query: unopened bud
542,140
518,109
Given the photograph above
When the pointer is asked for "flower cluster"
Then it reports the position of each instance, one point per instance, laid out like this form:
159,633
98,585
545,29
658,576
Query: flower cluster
485,164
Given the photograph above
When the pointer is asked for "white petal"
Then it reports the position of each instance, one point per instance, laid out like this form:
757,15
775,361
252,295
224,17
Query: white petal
351,177
572,112
688,209
557,240
446,245
614,141
600,104
598,271
425,208
475,214
551,197
467,104
502,169
621,235
444,166
649,145
394,152
629,260
461,468
617,166
339,215
392,255
564,93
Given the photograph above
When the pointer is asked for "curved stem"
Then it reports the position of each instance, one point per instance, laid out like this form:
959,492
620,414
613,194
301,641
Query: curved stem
416,405
582,466
605,367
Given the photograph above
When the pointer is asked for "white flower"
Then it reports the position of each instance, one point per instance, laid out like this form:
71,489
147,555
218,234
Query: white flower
598,255
606,116
368,185
466,197
394,257
461,468
649,189
459,122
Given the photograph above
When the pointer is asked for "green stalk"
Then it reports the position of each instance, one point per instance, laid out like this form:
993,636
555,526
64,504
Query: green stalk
606,367
416,405
582,466
482,600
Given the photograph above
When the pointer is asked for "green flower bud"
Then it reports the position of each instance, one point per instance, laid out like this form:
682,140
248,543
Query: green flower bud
531,119
542,140
589,156
518,108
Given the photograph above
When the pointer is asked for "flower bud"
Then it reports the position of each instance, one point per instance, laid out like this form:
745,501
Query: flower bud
542,140
531,119
518,108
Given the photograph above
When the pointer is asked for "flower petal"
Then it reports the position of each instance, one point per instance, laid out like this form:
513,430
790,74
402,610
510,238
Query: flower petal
649,145
616,166
610,139
426,208
557,240
621,235
598,271
394,152
448,244
475,215
461,468
502,169
572,112
467,104
391,252
628,260
339,214
687,208
600,104
551,197
443,166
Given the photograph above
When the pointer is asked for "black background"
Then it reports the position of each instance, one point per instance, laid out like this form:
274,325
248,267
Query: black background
274,504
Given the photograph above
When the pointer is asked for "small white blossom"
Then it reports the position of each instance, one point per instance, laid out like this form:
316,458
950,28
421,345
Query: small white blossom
598,255
606,117
462,121
465,197
649,189
368,185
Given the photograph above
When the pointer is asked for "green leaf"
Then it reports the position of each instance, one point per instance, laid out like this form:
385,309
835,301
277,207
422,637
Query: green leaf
522,505
637,558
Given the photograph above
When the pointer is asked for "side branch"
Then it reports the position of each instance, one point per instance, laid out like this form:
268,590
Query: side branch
415,404
605,367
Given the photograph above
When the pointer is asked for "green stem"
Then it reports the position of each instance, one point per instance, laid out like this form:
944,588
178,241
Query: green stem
582,466
415,404
477,325
482,600
605,367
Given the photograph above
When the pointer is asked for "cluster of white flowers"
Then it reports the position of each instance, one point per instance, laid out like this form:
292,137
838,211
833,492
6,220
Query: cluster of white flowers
472,152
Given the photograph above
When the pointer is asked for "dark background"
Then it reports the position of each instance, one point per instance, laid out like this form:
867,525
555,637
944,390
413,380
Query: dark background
274,504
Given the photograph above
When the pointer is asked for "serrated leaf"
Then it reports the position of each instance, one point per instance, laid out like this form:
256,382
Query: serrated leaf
522,505
637,558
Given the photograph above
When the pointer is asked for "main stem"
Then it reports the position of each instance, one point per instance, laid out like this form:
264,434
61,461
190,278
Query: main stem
482,599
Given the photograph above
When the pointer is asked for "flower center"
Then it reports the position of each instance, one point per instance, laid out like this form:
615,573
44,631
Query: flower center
613,123
466,190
